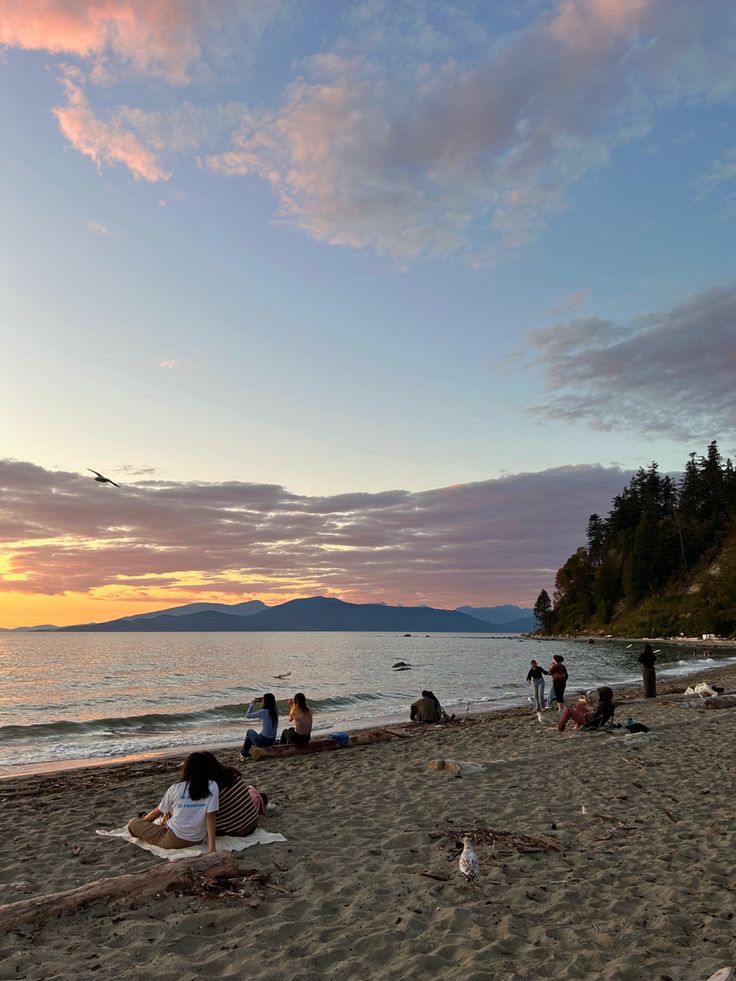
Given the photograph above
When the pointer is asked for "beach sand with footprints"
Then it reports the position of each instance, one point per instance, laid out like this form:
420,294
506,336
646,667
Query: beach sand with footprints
601,856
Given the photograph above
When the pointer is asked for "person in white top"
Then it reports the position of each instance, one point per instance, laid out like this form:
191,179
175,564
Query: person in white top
186,814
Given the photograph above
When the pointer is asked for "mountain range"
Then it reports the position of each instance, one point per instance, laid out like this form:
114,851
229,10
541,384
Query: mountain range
316,613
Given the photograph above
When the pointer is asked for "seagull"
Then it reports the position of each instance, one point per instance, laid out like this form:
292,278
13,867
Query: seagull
103,480
285,675
468,863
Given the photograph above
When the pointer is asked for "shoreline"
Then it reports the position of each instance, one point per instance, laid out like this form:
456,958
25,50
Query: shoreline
158,759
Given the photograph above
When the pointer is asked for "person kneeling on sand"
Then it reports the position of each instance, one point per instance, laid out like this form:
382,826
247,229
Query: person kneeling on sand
584,718
426,709
301,715
186,814
239,808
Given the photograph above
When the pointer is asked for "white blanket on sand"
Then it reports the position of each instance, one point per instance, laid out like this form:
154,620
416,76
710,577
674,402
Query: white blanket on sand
226,843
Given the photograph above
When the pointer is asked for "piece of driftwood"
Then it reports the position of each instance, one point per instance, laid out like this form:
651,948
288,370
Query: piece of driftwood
318,745
720,702
130,889
518,842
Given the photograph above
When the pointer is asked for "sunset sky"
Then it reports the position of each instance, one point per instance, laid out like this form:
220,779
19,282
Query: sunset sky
377,299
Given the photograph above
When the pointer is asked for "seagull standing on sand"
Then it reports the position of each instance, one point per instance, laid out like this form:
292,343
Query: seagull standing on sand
103,480
468,863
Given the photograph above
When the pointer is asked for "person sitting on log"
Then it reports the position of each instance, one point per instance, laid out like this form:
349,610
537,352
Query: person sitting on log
301,715
186,814
266,710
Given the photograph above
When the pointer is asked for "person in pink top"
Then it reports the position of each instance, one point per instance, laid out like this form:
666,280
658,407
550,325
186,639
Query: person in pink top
301,715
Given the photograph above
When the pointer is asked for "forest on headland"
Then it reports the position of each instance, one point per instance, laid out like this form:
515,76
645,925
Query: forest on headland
662,563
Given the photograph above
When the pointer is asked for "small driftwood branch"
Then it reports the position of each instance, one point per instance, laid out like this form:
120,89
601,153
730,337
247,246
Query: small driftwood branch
130,889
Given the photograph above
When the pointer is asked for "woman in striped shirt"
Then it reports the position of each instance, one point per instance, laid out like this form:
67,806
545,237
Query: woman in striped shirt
238,813
264,709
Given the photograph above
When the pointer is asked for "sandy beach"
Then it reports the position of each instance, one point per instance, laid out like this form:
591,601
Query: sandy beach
642,886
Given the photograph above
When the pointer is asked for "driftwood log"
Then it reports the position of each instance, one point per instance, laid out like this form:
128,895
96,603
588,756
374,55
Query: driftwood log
319,745
720,702
129,889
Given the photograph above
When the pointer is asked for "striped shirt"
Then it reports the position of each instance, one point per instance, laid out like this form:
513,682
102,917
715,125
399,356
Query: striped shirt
238,814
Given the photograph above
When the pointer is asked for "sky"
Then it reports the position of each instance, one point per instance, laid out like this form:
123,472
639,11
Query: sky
377,300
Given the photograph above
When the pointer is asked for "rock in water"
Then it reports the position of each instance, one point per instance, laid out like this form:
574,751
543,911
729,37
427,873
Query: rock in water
468,863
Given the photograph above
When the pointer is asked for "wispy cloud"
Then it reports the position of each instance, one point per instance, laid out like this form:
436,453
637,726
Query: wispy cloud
104,141
494,540
437,156
669,373
98,228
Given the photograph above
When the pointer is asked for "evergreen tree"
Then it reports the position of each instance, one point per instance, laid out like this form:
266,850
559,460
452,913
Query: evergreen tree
543,609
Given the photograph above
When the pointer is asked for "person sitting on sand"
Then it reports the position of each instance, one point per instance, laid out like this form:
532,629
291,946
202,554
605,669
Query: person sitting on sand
443,716
301,715
584,718
426,709
186,814
264,709
238,813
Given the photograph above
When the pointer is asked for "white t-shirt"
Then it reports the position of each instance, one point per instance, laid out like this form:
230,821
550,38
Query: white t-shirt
188,817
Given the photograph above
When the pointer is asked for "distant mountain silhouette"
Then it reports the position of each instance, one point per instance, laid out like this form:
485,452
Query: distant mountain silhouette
246,609
505,619
316,613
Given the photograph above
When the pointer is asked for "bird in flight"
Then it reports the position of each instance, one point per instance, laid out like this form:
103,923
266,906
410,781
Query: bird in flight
103,480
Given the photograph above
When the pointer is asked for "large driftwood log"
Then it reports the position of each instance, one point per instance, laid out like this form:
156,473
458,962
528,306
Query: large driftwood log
130,889
319,745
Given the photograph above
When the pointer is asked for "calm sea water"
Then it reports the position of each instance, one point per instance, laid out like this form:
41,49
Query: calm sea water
70,697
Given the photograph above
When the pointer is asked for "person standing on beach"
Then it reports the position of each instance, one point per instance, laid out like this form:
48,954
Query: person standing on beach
558,673
647,659
264,709
536,677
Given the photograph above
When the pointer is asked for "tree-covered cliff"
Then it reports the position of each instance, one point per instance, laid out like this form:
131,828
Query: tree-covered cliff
662,562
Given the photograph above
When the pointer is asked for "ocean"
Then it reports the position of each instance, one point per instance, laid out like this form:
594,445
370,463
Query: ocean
71,698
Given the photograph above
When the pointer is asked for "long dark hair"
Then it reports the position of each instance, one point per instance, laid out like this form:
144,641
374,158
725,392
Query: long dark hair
300,700
431,694
196,774
224,776
269,702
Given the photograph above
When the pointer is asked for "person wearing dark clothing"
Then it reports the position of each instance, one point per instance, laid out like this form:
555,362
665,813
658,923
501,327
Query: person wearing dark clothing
558,672
647,659
535,676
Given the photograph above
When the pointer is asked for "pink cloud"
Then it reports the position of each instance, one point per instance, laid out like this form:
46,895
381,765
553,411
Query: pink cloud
496,540
104,142
157,37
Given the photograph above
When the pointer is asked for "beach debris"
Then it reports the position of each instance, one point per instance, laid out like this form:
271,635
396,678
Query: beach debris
129,889
100,479
433,875
509,839
284,675
468,862
458,768
401,664
76,848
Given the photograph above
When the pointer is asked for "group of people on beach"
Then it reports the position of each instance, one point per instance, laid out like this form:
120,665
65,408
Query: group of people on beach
209,800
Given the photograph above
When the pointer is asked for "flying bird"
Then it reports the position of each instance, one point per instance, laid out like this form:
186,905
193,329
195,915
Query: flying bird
103,480
468,862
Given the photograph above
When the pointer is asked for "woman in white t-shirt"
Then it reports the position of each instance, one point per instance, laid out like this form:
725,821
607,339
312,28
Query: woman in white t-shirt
186,814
